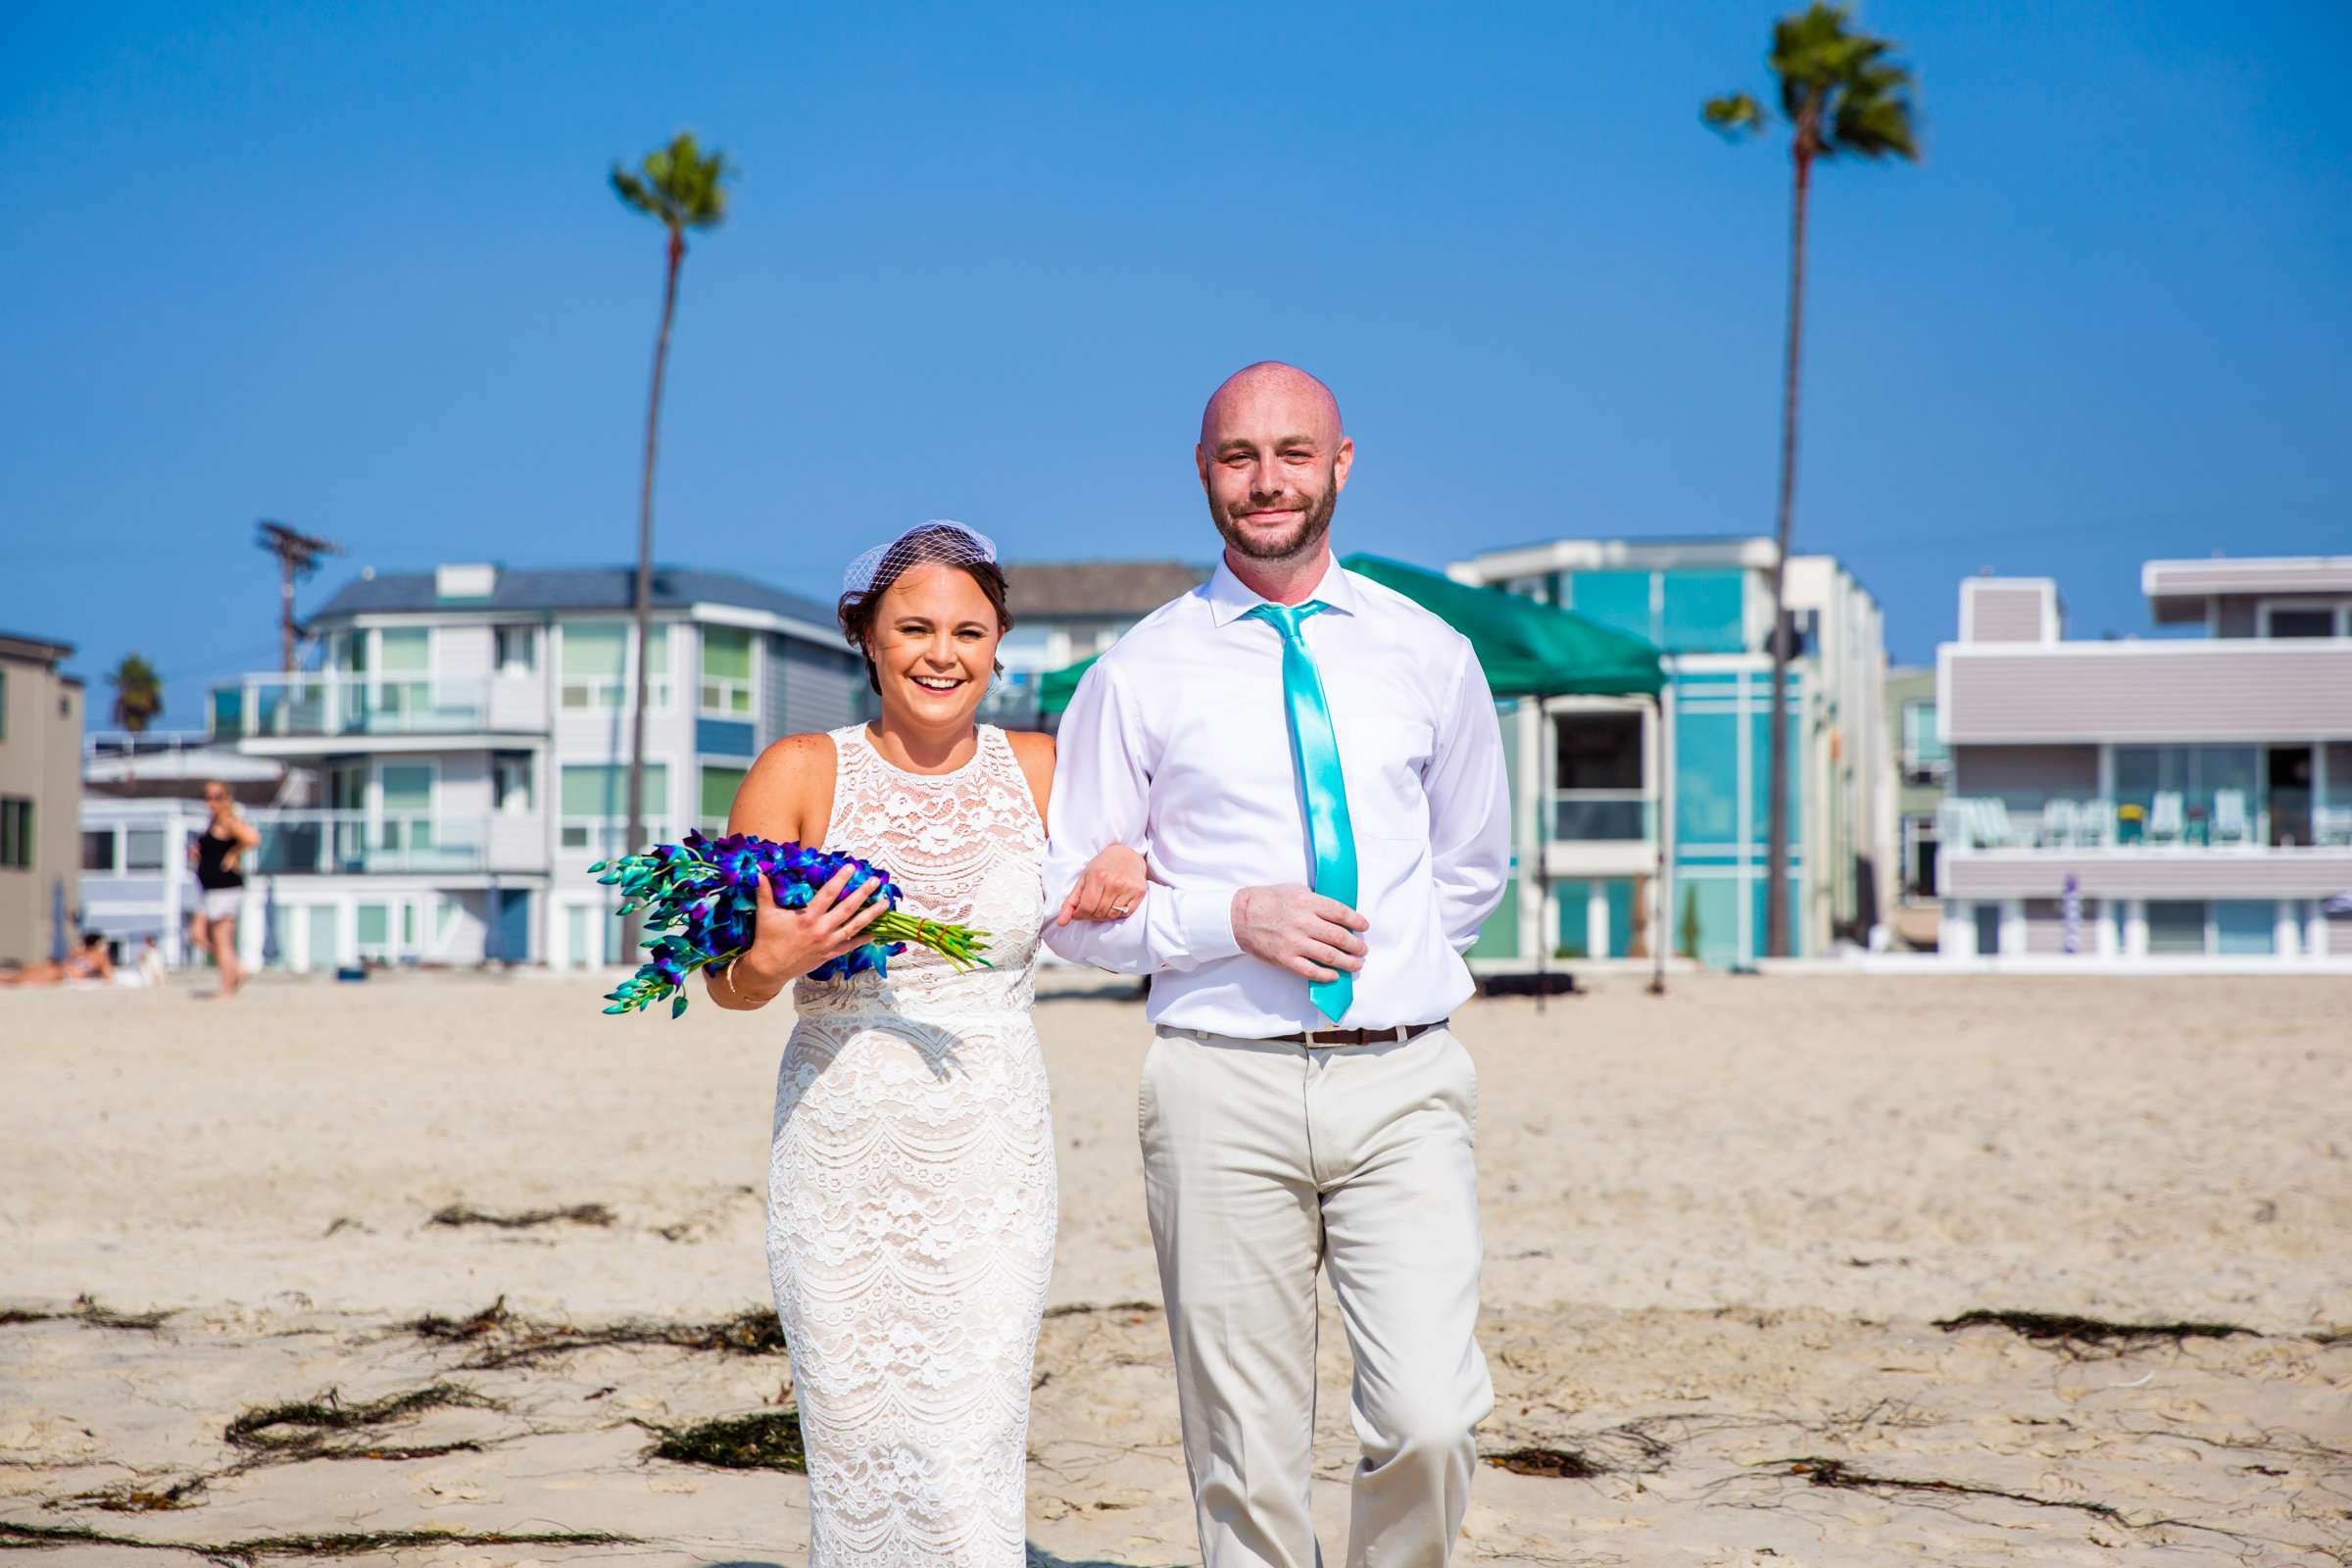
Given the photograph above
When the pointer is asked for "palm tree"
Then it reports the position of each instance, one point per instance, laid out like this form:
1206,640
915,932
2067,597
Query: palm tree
138,694
683,189
1841,97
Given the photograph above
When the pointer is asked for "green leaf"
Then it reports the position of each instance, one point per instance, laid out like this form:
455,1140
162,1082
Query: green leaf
678,1006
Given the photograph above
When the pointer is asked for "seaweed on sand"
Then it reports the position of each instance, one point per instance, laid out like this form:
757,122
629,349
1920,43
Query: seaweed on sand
507,1340
1564,1464
577,1214
2068,1328
348,1544
85,1309
302,1428
767,1440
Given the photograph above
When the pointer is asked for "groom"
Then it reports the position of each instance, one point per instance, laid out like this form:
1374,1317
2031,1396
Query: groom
1313,764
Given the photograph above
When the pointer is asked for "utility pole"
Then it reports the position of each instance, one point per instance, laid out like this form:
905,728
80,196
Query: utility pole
297,556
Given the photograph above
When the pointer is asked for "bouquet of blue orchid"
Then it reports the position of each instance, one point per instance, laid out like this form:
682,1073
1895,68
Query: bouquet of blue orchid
700,901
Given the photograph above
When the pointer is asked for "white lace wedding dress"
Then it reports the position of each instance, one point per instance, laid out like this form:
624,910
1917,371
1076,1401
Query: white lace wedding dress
911,1183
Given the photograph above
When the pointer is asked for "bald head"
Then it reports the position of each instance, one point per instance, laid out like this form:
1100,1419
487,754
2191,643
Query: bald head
1273,386
1273,460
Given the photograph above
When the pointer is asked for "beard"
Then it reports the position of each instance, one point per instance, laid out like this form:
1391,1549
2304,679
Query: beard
1313,522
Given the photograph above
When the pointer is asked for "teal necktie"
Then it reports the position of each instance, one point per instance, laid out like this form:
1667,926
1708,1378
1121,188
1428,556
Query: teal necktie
1315,756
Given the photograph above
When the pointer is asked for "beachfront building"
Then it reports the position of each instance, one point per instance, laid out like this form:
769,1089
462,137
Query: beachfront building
469,728
1916,748
141,806
2153,800
1067,612
40,785
1608,787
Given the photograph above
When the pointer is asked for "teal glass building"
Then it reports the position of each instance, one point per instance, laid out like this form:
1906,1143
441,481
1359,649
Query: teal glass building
1635,817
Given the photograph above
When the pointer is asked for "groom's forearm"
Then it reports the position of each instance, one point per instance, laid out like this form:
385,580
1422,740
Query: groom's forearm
1172,929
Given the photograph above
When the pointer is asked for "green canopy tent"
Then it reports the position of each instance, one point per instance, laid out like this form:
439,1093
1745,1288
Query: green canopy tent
1526,649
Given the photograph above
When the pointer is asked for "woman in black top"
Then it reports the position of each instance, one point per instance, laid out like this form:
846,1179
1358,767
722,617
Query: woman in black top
217,855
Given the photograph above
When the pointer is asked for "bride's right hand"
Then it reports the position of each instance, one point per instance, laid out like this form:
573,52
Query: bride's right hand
786,944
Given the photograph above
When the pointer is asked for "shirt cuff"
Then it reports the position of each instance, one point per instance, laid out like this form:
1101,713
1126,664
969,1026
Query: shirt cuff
1204,922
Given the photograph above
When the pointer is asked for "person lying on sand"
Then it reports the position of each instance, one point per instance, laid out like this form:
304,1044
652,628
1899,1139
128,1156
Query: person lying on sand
91,963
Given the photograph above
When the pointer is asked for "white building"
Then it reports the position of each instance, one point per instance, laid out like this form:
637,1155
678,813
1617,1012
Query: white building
469,731
2174,799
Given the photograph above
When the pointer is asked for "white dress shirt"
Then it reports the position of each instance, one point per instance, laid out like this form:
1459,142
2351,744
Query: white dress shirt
1178,744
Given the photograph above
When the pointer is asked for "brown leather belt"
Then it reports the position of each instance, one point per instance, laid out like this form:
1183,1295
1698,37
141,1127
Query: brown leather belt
1363,1037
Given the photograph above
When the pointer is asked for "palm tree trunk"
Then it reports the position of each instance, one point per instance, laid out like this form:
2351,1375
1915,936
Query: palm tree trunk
1776,852
632,925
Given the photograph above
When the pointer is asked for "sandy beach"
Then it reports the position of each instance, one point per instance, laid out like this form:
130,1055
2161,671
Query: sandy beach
1722,1231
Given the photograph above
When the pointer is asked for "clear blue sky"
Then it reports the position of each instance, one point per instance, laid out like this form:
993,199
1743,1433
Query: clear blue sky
362,271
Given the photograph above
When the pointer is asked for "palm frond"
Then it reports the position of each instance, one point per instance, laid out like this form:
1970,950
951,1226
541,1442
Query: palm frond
1733,115
680,184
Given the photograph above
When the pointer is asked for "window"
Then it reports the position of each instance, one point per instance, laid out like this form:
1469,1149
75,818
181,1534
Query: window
510,783
1597,776
726,670
2187,782
408,651
1705,610
98,848
516,648
2176,927
16,832
2299,621
596,666
1618,600
719,784
2245,927
407,806
595,658
594,799
1598,751
143,848
1924,758
1987,918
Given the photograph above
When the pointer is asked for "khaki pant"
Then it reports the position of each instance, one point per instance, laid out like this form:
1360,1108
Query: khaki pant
1261,1161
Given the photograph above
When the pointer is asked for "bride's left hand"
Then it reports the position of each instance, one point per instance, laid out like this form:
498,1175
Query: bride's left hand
1108,889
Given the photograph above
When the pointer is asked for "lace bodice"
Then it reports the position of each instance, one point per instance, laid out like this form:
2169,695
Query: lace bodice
963,847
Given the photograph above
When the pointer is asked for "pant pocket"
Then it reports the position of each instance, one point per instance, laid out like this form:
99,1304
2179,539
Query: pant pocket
1145,1103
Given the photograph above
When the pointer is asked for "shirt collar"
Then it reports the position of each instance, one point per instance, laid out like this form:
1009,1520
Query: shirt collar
1230,599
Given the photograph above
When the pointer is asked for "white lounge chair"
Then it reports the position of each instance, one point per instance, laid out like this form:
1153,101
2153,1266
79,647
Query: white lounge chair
2058,824
2167,821
2094,824
2229,824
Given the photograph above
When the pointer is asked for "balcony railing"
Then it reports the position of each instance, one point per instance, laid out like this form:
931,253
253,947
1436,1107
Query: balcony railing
606,837
1599,816
607,692
319,842
329,704
2223,820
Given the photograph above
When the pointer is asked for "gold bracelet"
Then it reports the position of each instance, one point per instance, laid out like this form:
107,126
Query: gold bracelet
728,974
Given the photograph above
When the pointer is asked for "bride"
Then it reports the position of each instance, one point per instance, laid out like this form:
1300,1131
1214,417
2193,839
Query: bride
911,1181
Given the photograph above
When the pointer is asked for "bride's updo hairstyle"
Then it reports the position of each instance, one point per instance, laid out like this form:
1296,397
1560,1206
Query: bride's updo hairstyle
937,543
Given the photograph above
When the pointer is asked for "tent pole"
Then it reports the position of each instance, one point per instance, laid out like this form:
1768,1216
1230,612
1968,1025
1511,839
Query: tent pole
1547,754
1661,931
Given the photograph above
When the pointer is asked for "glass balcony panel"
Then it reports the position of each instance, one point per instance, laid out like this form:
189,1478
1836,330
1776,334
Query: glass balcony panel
1599,816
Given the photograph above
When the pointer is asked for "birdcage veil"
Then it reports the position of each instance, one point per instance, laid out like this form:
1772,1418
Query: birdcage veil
939,542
